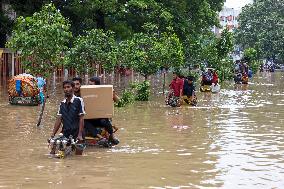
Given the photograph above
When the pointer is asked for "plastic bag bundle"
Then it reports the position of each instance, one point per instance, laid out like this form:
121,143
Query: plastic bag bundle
215,88
23,85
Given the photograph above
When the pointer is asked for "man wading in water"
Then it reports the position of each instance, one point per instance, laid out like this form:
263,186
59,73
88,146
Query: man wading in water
71,114
91,125
175,93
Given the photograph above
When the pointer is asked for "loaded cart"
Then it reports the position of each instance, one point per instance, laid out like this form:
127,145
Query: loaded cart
23,90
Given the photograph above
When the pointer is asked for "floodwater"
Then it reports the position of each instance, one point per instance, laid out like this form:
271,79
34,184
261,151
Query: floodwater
234,139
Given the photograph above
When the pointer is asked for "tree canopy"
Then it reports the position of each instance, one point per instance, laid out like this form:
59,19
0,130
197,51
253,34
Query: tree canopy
188,19
41,40
97,47
147,53
262,28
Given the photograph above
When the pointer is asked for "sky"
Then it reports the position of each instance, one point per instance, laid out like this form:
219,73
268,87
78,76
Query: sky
237,4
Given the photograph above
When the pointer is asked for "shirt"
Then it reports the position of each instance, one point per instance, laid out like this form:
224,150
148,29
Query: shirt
70,113
188,89
177,85
208,76
215,78
40,83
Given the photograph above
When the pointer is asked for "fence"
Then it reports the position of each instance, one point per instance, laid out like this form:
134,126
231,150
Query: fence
10,65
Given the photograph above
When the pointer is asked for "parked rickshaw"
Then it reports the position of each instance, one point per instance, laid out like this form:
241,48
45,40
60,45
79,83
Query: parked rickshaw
23,90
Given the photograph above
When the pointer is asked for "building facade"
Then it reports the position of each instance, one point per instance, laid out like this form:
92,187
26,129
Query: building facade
228,18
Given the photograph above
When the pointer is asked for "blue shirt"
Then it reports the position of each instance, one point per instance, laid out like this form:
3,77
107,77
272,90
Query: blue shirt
40,83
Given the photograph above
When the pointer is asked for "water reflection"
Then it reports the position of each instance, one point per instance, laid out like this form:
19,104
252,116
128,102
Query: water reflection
234,139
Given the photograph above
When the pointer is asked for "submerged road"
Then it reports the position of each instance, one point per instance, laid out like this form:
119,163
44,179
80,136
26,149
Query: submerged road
234,139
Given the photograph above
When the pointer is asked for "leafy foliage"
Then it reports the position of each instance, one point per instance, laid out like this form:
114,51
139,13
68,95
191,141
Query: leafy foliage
172,52
146,53
96,46
251,55
225,69
127,97
255,65
141,91
27,7
262,28
41,39
187,19
193,74
224,66
150,33
224,44
215,51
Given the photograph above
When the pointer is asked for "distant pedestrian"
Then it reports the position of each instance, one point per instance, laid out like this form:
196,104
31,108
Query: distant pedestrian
41,83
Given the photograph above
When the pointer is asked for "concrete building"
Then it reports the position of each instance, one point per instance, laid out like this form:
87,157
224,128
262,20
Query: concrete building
228,18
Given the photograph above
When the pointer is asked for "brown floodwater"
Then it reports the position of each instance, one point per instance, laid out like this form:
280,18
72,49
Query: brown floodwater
234,139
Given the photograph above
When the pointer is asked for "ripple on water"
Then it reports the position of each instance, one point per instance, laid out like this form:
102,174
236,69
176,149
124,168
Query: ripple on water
234,139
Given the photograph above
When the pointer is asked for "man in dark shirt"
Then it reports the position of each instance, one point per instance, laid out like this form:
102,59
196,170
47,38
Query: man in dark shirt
71,113
189,89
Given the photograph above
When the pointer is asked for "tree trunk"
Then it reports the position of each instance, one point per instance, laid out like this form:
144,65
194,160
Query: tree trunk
164,82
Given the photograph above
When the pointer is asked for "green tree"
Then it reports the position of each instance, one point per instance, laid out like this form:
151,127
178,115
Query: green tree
137,13
224,44
215,52
189,20
97,47
41,40
88,14
23,8
144,54
251,56
262,28
141,90
194,16
125,17
147,53
172,52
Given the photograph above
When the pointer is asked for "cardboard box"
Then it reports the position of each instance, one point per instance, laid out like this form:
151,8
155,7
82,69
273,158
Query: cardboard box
98,101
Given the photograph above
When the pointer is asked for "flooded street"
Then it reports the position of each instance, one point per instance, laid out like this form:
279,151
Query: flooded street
234,139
